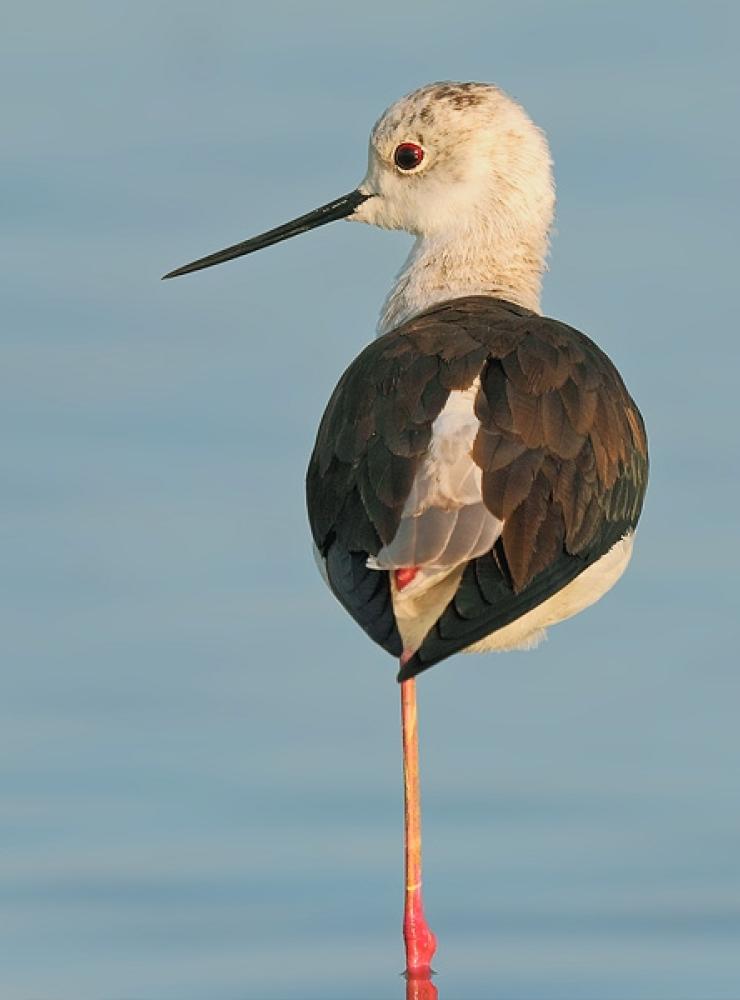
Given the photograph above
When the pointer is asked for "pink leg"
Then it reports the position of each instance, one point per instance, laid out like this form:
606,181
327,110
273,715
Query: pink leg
421,989
420,941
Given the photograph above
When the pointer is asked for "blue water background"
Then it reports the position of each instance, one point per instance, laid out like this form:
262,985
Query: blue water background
200,791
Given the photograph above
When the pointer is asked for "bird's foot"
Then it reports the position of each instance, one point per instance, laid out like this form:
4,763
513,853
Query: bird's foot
421,943
405,576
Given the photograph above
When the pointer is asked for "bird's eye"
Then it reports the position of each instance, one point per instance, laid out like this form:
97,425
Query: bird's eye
408,156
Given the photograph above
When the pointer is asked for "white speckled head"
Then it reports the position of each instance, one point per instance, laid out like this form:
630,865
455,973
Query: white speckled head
480,200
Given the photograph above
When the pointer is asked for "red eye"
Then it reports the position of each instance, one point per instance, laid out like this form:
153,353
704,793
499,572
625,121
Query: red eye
408,155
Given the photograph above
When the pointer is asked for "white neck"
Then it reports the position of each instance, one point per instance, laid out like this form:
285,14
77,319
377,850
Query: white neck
437,270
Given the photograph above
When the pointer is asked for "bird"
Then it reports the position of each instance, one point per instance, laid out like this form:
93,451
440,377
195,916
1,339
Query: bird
480,468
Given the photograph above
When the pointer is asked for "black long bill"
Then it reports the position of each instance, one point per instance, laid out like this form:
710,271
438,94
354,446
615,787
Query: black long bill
338,209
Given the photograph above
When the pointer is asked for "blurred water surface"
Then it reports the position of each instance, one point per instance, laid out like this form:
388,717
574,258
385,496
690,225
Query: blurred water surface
200,791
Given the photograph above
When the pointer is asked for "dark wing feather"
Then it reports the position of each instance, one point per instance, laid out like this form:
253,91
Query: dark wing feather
375,431
561,447
563,451
365,594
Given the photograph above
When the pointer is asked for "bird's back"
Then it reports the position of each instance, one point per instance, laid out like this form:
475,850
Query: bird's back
493,452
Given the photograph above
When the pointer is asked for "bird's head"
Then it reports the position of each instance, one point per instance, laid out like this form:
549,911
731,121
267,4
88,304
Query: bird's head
456,158
450,161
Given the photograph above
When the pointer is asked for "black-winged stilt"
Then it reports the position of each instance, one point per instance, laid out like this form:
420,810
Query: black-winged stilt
480,469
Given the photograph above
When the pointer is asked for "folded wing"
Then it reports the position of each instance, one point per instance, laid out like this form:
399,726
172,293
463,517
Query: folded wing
485,444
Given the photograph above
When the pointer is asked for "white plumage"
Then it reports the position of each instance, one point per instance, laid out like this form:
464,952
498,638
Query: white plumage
445,521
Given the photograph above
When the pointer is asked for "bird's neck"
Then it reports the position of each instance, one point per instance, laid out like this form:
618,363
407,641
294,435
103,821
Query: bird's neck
437,270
